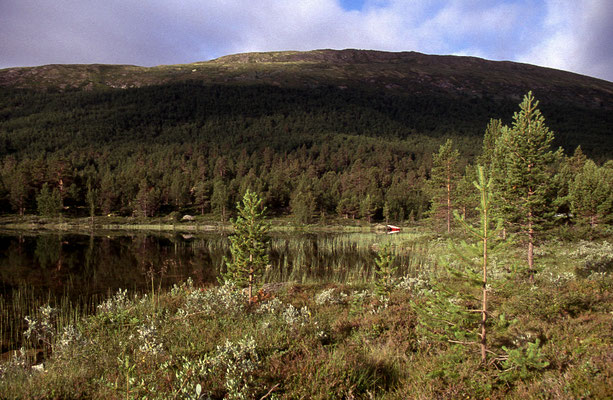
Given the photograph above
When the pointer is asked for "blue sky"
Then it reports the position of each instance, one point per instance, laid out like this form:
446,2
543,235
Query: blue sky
573,35
352,4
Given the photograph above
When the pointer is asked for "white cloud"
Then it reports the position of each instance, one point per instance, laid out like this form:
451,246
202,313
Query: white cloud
165,31
576,36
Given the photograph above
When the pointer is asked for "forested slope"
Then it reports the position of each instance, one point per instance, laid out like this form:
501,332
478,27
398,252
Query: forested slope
319,131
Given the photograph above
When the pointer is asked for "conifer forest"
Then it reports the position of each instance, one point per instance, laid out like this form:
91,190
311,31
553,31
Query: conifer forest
320,225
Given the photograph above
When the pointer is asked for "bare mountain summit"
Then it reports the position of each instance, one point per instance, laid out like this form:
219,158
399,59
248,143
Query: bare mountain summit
404,72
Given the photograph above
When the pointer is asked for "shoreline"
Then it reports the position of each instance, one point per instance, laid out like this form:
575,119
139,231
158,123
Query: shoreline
33,223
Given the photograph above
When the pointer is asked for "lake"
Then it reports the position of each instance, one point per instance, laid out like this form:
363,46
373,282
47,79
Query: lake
77,271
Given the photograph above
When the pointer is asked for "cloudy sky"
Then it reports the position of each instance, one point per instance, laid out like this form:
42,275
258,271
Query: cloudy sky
574,35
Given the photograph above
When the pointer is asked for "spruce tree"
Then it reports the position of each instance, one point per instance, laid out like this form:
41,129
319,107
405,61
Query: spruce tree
523,173
385,270
493,131
248,245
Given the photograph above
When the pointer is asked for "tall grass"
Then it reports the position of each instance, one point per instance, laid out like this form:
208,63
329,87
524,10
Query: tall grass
344,258
151,263
26,301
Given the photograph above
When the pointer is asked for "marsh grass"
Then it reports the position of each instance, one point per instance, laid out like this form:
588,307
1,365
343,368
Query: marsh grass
342,258
28,301
323,341
326,339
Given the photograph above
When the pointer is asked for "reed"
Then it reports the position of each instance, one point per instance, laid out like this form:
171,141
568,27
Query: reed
26,301
156,262
341,258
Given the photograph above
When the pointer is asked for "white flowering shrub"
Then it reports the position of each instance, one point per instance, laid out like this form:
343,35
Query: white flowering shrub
115,304
271,307
414,285
185,287
296,316
70,341
222,300
237,361
41,327
329,296
557,279
149,339
597,257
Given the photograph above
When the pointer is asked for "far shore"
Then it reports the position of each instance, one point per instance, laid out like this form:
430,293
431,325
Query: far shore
35,223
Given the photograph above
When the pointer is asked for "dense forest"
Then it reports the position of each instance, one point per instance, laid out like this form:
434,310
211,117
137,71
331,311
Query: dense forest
195,148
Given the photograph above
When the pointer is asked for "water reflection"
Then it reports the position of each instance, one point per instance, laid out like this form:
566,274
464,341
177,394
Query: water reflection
90,264
75,272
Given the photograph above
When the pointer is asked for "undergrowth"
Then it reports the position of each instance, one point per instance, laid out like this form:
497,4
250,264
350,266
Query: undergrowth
550,339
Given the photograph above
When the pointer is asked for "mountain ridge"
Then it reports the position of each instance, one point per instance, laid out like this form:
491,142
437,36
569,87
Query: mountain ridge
403,72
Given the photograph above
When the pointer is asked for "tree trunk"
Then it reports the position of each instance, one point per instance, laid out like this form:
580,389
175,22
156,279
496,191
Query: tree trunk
449,199
484,290
530,247
251,272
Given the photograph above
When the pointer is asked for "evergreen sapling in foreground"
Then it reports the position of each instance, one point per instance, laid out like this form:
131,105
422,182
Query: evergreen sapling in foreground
248,245
456,310
385,271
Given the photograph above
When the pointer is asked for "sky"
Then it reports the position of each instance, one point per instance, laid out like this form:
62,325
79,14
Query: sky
573,35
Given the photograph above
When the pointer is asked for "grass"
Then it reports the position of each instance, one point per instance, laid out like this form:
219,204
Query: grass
324,340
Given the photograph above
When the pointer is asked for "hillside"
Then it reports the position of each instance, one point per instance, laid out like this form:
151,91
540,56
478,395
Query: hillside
407,72
367,117
578,105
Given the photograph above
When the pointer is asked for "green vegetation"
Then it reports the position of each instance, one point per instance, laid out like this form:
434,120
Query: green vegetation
332,318
317,134
548,338
248,244
523,173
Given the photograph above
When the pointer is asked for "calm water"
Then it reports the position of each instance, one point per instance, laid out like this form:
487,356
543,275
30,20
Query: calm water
45,268
91,264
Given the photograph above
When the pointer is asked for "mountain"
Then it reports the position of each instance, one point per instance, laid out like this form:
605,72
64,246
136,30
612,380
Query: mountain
405,72
316,131
405,93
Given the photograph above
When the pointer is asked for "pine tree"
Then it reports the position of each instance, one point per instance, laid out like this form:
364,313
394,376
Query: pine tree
18,183
493,131
591,193
248,245
49,202
91,197
386,212
302,202
201,195
443,179
368,207
220,198
466,197
385,270
523,173
456,310
147,199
